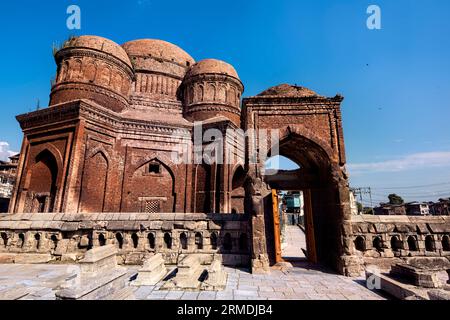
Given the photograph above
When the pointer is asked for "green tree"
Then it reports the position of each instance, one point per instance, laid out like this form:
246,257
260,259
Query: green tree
359,206
395,199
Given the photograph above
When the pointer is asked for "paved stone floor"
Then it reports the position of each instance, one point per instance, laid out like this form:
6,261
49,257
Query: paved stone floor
303,282
295,242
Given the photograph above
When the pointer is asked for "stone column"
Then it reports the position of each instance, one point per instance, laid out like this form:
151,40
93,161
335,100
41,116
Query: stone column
259,259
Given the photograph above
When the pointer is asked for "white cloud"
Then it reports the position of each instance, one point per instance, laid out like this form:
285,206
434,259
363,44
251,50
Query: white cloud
5,151
405,163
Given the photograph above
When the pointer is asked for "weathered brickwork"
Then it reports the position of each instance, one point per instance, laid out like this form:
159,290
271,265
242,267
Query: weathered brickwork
118,117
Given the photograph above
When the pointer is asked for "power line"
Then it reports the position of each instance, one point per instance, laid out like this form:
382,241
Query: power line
412,187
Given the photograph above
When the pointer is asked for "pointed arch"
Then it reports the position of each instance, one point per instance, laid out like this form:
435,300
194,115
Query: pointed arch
94,181
140,194
42,181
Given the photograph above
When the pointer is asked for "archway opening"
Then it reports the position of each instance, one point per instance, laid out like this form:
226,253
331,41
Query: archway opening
119,240
396,244
199,241
151,240
360,243
412,243
429,243
101,239
306,195
446,243
183,241
42,185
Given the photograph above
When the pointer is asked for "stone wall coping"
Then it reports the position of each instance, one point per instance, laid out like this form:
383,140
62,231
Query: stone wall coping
79,217
399,219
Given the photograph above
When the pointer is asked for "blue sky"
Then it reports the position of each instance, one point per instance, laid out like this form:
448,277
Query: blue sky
395,81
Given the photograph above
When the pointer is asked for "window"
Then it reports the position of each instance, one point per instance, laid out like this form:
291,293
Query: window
168,241
154,168
396,243
446,243
213,240
151,240
4,238
360,243
152,206
183,241
101,239
412,243
135,239
199,240
119,240
377,243
37,237
429,244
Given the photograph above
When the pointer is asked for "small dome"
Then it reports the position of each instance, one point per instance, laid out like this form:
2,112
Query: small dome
99,44
287,90
213,66
158,49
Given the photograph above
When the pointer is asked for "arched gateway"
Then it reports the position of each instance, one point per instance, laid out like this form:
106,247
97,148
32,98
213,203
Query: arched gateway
310,134
101,164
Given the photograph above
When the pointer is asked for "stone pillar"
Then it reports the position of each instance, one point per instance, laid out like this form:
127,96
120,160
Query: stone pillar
259,258
349,263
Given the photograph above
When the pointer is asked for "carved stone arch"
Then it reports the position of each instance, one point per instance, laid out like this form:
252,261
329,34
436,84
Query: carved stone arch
104,76
63,72
140,194
47,147
95,180
99,149
301,131
201,92
164,160
90,71
221,93
43,180
210,92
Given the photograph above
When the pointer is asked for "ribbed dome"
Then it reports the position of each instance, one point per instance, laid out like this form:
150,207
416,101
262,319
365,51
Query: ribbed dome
212,66
287,90
99,44
158,49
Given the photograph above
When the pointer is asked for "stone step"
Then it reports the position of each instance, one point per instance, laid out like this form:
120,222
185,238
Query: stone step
126,293
15,293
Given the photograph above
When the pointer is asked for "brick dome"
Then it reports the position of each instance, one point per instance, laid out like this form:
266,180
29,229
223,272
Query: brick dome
160,67
99,44
209,66
211,89
287,90
162,51
94,68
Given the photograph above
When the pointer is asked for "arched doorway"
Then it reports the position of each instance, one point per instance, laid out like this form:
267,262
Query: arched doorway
322,212
42,183
237,190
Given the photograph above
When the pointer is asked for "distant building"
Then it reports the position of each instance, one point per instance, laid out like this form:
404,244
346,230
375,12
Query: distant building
353,204
417,209
8,172
386,209
293,204
441,208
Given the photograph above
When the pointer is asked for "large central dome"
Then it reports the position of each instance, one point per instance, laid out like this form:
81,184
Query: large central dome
159,56
160,66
